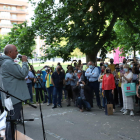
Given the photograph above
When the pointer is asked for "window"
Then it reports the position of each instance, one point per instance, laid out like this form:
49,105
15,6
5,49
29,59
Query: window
9,8
5,14
4,7
5,30
6,22
14,16
14,8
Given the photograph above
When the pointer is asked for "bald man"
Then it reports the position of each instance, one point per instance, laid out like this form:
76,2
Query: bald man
12,79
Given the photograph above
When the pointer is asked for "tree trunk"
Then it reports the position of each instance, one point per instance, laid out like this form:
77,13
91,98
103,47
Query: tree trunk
134,51
91,57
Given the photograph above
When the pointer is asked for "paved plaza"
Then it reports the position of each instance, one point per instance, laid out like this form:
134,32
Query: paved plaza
68,123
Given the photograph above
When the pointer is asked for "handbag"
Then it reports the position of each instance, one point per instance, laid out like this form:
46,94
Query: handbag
109,109
130,89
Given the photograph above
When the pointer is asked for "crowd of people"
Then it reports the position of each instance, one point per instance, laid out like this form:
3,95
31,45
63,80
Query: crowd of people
80,86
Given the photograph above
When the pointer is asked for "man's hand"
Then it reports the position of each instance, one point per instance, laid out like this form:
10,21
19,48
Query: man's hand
24,58
26,79
83,83
78,84
71,79
138,95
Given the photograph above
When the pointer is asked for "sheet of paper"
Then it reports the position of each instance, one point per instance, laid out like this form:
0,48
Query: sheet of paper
3,120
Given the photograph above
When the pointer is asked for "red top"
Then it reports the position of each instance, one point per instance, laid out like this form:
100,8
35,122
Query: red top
108,82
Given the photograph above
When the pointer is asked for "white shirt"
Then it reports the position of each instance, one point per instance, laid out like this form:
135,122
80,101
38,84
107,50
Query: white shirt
92,74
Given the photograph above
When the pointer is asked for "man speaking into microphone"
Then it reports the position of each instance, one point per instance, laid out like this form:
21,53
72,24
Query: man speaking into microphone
12,79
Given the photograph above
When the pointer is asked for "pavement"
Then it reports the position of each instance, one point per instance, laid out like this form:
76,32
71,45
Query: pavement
68,123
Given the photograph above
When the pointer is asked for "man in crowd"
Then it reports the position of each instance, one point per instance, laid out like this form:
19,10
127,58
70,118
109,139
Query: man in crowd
12,79
112,66
58,79
92,74
44,72
29,78
84,96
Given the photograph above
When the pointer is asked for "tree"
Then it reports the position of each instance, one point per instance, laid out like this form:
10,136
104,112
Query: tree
87,25
22,36
127,37
3,41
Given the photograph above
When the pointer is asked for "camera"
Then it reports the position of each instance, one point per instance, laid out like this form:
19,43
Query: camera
80,82
49,70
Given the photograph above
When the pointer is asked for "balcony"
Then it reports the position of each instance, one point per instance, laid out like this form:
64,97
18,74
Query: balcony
22,19
20,11
2,25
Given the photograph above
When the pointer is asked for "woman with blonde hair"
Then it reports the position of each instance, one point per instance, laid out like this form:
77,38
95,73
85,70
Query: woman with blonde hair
108,86
127,100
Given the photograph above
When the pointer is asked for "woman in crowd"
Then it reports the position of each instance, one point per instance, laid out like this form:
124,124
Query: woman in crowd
127,100
49,85
38,81
100,79
70,80
108,86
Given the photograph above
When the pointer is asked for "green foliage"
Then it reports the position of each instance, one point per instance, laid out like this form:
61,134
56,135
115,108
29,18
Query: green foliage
22,36
76,52
87,25
127,37
3,40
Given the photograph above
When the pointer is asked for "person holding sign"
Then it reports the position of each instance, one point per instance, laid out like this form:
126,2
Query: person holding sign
127,100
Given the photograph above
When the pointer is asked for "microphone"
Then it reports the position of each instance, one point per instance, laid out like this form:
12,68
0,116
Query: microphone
19,56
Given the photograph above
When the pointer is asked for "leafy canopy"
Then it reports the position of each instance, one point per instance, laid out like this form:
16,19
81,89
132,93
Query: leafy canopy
22,36
85,24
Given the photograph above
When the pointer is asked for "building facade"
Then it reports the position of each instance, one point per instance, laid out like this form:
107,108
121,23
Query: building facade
12,12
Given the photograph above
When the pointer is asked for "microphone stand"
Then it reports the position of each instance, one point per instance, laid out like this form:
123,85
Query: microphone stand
18,120
43,129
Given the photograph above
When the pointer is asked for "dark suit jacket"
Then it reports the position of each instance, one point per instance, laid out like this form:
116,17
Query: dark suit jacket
87,93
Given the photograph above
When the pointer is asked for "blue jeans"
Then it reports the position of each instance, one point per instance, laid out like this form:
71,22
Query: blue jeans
83,103
103,99
57,92
30,91
50,94
94,86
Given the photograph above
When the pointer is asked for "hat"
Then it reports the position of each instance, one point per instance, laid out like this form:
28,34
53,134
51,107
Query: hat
79,71
46,69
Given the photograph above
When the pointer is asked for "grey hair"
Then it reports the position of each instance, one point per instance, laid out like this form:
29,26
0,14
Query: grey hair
92,62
